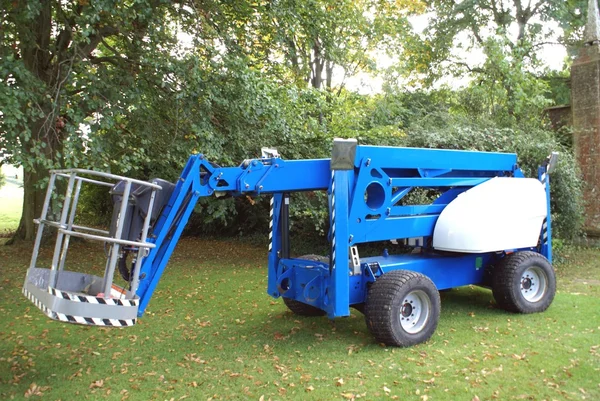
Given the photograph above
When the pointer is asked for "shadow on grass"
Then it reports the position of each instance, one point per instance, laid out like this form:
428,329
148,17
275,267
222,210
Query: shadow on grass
292,332
467,298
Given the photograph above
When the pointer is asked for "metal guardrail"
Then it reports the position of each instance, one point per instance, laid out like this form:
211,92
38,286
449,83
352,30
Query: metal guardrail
69,172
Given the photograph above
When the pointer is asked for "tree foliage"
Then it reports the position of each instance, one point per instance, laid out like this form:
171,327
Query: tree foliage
305,41
496,43
67,63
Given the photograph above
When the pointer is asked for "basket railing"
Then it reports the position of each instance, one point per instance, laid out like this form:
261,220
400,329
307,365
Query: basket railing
66,227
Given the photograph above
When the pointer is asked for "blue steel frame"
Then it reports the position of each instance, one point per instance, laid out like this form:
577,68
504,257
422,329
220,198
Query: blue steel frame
365,204
545,247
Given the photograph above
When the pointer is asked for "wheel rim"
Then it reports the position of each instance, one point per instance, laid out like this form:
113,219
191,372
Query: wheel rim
415,311
534,283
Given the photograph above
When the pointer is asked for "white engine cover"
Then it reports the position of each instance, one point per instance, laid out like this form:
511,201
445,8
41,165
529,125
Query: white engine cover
499,214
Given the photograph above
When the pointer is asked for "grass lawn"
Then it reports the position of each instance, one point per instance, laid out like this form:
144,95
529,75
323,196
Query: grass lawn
10,208
211,332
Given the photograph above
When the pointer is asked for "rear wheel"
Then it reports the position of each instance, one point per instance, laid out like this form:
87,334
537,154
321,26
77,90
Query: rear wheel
402,308
300,308
524,282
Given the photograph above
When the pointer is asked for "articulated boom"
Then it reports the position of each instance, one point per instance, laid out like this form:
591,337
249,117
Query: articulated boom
458,235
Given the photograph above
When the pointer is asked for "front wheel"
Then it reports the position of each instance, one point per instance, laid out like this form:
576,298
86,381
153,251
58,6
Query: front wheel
402,308
524,283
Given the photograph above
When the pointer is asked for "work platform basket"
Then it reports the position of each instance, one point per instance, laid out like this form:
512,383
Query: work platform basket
86,298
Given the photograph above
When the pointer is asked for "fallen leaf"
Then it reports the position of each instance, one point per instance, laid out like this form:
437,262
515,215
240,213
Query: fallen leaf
34,389
339,382
309,389
387,390
97,384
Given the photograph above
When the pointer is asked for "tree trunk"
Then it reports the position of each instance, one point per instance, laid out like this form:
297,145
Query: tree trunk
44,132
33,201
35,49
33,193
328,73
318,62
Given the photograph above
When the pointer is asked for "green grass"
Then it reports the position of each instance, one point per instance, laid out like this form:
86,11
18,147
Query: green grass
212,332
10,213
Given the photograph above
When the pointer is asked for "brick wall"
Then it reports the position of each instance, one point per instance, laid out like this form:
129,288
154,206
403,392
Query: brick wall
585,106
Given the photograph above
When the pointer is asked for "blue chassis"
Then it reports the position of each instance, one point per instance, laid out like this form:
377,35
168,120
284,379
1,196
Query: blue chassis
364,207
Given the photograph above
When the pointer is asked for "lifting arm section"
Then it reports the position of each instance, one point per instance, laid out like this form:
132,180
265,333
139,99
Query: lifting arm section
201,178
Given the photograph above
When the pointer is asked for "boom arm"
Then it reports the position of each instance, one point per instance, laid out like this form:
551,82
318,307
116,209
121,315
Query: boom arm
201,178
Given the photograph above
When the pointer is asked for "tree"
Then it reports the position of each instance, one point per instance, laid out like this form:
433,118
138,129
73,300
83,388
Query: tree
507,36
303,41
65,63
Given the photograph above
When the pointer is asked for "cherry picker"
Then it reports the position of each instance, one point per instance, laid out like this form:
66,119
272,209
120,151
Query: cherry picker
487,225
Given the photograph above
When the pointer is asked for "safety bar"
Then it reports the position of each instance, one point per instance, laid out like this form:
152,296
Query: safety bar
105,239
90,229
68,172
75,226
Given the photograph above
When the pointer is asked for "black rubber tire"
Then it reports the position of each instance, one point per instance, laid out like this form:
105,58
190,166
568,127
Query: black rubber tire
385,302
300,308
125,268
507,281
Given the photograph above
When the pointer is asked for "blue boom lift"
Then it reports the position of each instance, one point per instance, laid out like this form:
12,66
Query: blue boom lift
487,225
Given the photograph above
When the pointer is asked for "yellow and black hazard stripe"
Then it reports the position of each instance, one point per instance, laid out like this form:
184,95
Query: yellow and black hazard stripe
95,321
93,299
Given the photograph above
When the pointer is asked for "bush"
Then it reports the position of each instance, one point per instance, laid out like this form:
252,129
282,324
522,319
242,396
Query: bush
95,206
440,129
229,116
531,147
